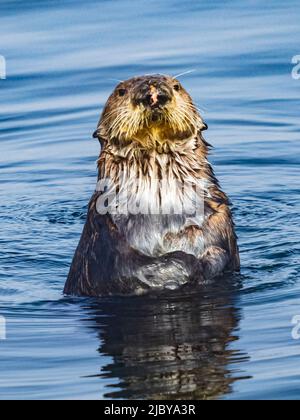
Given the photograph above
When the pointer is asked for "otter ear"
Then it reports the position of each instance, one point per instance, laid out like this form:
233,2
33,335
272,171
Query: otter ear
96,135
205,126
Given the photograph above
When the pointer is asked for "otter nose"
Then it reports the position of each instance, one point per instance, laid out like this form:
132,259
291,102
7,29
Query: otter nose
157,97
153,96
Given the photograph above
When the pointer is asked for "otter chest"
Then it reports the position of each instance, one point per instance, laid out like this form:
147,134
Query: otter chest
160,206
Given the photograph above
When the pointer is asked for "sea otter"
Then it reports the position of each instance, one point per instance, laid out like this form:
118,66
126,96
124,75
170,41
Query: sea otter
158,219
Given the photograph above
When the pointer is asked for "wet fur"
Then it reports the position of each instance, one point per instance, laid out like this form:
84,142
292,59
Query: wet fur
130,254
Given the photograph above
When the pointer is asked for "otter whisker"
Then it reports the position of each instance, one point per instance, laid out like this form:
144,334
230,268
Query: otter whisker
196,108
187,108
130,122
111,113
183,119
115,80
202,107
118,120
184,73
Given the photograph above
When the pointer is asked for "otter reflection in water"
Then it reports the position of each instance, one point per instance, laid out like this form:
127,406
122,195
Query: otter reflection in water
168,347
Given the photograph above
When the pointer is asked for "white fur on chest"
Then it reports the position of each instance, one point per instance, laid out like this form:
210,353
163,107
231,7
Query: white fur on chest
164,197
166,188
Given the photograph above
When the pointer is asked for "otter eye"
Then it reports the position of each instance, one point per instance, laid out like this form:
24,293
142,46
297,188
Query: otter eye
122,92
177,88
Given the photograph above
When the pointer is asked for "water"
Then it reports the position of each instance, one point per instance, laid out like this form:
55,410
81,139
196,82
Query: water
230,342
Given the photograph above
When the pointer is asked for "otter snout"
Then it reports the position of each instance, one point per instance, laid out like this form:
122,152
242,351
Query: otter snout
152,95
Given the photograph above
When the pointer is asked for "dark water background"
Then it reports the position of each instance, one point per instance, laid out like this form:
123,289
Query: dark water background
231,341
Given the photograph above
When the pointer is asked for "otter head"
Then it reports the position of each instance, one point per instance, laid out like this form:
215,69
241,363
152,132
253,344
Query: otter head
149,107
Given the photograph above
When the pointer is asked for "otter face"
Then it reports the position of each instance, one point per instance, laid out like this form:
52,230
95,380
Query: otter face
149,107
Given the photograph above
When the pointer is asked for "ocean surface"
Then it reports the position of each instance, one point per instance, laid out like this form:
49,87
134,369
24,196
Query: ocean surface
230,341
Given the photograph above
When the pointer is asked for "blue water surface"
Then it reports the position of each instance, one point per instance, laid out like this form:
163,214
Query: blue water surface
63,57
